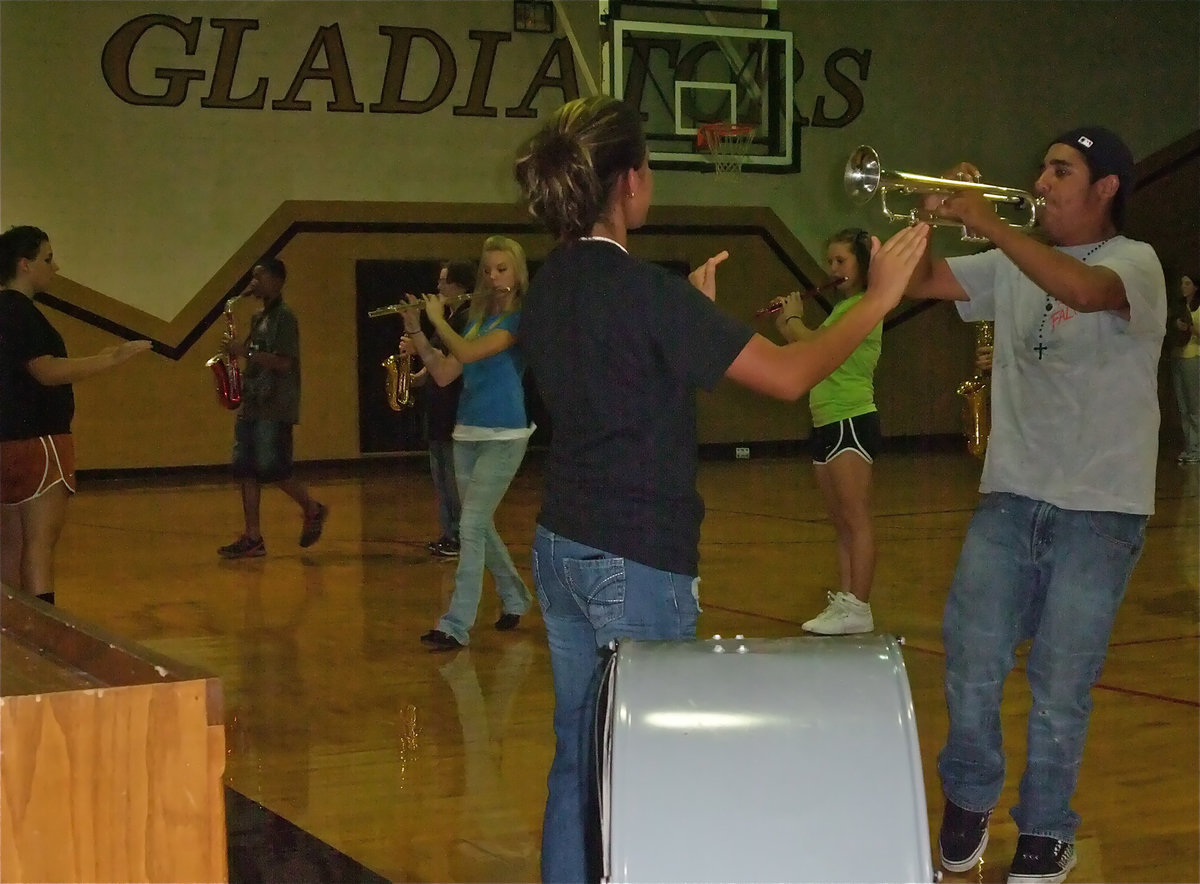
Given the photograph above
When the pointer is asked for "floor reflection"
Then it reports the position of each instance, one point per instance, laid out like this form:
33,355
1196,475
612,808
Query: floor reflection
486,806
260,721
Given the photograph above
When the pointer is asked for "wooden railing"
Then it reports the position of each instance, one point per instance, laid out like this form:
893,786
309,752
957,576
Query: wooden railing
111,756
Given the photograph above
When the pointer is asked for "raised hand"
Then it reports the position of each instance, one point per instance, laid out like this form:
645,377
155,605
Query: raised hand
704,277
893,263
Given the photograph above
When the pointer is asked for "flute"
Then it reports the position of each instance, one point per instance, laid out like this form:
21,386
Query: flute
777,304
419,304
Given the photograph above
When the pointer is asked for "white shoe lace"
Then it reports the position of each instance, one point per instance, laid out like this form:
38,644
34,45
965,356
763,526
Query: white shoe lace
834,610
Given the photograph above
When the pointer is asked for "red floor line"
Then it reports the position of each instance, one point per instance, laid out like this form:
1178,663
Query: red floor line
1099,685
1151,641
938,653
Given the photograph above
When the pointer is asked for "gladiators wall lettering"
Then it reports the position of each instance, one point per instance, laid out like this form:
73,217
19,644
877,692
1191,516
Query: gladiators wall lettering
326,60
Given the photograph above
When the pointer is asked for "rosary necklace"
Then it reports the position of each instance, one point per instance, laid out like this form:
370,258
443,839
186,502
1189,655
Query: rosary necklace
1041,344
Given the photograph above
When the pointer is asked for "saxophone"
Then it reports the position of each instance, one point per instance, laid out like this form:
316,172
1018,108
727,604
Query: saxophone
398,383
226,371
977,397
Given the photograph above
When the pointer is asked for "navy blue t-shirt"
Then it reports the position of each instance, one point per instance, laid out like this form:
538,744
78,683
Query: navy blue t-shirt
618,347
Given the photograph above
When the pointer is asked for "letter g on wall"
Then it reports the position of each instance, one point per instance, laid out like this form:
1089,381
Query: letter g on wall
118,52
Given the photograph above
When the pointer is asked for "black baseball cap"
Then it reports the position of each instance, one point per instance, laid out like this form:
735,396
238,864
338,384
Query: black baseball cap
1106,154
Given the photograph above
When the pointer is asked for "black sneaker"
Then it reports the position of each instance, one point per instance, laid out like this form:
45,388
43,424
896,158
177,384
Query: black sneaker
963,837
243,548
1040,859
436,640
434,544
314,524
508,621
447,549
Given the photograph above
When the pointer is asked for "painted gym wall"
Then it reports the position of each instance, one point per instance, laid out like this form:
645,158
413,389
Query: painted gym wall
166,146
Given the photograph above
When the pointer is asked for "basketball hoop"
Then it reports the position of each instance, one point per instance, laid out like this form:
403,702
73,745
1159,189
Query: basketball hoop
727,143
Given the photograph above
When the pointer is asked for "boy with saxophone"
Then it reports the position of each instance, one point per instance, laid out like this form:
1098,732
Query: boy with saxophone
262,437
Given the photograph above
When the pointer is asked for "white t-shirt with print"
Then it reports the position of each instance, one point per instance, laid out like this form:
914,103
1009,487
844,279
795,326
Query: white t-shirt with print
1074,395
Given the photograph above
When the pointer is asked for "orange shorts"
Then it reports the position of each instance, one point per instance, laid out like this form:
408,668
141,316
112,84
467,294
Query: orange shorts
30,467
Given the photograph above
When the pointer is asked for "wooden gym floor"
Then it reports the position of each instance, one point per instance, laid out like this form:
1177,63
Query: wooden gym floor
431,766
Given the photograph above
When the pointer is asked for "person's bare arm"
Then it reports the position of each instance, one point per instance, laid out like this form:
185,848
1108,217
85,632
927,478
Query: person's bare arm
441,367
791,370
1083,287
51,371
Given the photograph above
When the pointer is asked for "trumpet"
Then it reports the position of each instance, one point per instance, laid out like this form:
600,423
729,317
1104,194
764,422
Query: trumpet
864,177
226,372
777,303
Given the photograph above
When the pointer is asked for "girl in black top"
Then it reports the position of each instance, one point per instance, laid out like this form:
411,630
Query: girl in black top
618,347
37,454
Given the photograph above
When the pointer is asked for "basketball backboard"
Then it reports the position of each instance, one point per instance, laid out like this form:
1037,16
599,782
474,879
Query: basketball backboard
685,63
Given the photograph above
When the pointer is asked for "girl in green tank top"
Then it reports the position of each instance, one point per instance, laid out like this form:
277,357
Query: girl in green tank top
845,437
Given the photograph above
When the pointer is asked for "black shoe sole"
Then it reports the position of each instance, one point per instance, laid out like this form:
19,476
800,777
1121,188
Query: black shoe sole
449,643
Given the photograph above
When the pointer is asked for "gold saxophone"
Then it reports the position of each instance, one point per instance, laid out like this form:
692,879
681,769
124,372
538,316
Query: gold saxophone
398,382
977,396
226,371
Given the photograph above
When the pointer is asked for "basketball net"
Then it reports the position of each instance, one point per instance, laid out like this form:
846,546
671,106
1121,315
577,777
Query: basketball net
727,143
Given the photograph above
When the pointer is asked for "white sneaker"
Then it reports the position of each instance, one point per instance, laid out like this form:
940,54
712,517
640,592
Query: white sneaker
845,615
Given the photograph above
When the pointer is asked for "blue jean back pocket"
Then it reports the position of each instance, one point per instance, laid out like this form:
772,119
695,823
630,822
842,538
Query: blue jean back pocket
599,584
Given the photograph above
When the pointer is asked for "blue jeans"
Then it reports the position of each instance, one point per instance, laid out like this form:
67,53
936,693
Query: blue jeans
445,488
1030,570
484,471
262,450
590,597
1186,375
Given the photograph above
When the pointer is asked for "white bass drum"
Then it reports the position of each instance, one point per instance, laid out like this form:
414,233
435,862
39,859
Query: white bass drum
792,759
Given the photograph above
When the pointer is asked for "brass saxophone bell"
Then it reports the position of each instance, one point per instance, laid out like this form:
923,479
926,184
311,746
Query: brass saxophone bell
227,374
977,397
398,381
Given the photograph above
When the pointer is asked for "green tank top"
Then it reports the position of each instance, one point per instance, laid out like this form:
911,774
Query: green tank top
850,390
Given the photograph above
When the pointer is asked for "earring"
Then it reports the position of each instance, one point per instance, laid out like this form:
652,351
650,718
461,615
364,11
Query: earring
632,194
